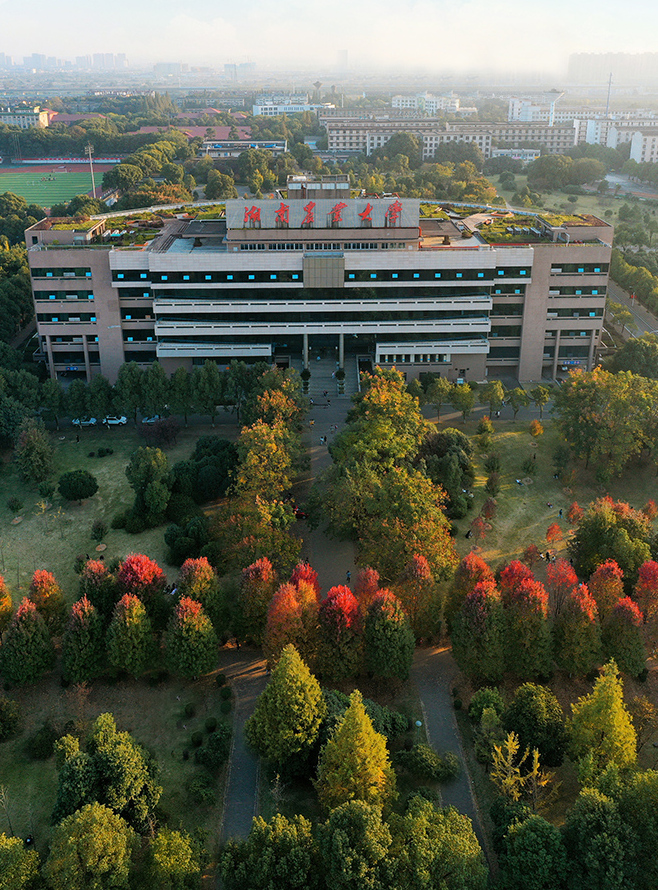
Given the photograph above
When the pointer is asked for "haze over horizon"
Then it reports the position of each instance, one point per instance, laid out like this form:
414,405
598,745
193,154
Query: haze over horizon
397,35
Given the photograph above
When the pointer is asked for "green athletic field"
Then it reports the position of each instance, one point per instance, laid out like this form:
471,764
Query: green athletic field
64,186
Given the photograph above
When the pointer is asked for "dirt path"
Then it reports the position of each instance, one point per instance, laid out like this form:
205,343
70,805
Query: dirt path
433,671
245,671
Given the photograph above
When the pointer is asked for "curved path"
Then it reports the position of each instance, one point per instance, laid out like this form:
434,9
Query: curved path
434,672
245,671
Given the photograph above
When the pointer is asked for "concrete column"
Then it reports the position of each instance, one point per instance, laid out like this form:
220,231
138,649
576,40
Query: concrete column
305,350
341,350
557,351
592,350
85,349
49,356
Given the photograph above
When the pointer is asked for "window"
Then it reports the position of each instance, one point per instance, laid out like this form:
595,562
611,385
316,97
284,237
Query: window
394,275
186,277
120,275
208,277
273,277
459,275
251,277
52,296
480,274
351,275
229,278
416,274
437,274
164,278
374,275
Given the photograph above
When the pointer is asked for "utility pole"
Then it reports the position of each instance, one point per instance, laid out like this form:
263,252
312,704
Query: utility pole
89,149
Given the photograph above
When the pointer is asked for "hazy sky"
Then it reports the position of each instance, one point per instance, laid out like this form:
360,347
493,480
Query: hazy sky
396,34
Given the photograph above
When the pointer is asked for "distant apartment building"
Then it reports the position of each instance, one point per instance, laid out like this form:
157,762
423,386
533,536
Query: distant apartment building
431,105
273,104
369,135
25,117
463,296
644,146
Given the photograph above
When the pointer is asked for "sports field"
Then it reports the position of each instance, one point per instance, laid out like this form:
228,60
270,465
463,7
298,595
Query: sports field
45,185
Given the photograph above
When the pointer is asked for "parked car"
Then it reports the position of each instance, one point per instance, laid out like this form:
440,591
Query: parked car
152,419
84,421
299,513
110,420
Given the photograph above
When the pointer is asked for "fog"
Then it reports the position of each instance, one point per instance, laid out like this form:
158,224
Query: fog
391,35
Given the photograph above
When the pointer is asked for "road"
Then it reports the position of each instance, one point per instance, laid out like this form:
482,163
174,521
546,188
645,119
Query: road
645,321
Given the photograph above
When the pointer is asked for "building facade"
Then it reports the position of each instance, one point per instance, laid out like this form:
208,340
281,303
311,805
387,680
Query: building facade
25,118
278,280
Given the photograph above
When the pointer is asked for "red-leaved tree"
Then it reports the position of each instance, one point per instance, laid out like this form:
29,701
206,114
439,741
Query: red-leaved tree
531,555
607,587
489,508
511,578
190,642
553,533
528,646
257,585
650,510
47,596
304,572
646,590
199,581
366,586
478,633
560,581
100,587
292,617
340,647
575,513
576,633
141,576
470,571
415,591
622,637
83,646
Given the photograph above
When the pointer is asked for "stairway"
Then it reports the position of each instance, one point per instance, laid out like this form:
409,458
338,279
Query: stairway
322,379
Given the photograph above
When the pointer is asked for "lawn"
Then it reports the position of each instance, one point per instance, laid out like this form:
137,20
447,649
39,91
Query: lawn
559,201
46,185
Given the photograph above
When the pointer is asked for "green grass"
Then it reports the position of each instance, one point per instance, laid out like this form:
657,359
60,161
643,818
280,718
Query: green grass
28,184
559,201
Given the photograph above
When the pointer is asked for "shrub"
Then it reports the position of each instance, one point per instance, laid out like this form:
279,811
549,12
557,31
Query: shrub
458,704
14,505
487,697
424,763
77,485
211,724
189,710
225,707
40,745
214,753
220,679
492,485
46,489
197,739
536,428
120,519
225,692
98,529
202,791
10,718
529,467
492,463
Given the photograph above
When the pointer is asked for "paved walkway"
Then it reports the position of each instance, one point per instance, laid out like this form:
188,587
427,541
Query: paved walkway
245,671
434,672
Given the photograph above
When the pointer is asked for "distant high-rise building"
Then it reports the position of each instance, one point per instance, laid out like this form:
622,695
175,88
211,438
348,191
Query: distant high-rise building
83,61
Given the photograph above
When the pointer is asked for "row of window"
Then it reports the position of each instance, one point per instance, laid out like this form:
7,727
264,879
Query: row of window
322,316
319,294
575,268
418,358
63,295
577,292
574,313
572,333
65,317
62,273
506,331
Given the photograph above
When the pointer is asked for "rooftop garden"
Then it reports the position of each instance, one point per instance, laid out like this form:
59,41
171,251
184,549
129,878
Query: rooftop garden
65,224
432,211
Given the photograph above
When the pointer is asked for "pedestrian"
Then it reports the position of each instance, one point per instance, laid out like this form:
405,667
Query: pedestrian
348,577
312,402
534,456
325,393
560,513
77,438
548,556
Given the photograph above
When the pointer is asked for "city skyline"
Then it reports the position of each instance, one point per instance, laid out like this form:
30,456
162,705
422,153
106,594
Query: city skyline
408,35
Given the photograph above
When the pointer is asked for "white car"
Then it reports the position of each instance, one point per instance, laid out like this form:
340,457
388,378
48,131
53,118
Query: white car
115,421
84,421
152,419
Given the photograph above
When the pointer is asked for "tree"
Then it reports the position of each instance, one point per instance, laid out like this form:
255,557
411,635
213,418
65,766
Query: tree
518,398
418,594
462,398
511,578
277,853
354,764
366,585
646,590
173,861
264,461
99,585
553,533
129,389
477,635
601,727
6,606
528,634
611,531
130,645
560,582
388,638
220,185
34,451
198,580
470,571
27,650
18,866
577,635
100,396
155,389
540,395
575,513
190,643
180,392
47,596
354,845
493,395
148,475
533,856
208,388
621,637
638,355
90,848
257,584
340,635
507,772
52,399
435,849
83,646
292,618
141,576
537,718
438,393
77,485
288,714
638,814
304,572
605,859
606,587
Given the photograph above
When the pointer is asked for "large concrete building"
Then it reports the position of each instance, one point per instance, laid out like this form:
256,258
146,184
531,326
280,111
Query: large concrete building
466,292
25,117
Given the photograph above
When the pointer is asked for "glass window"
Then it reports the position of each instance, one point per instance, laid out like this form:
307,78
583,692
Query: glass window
120,275
229,278
459,275
295,277
186,277
251,277
437,274
141,275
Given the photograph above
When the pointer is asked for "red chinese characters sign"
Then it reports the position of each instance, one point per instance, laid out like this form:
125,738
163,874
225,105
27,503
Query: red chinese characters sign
393,213
336,213
282,215
309,218
251,215
366,215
